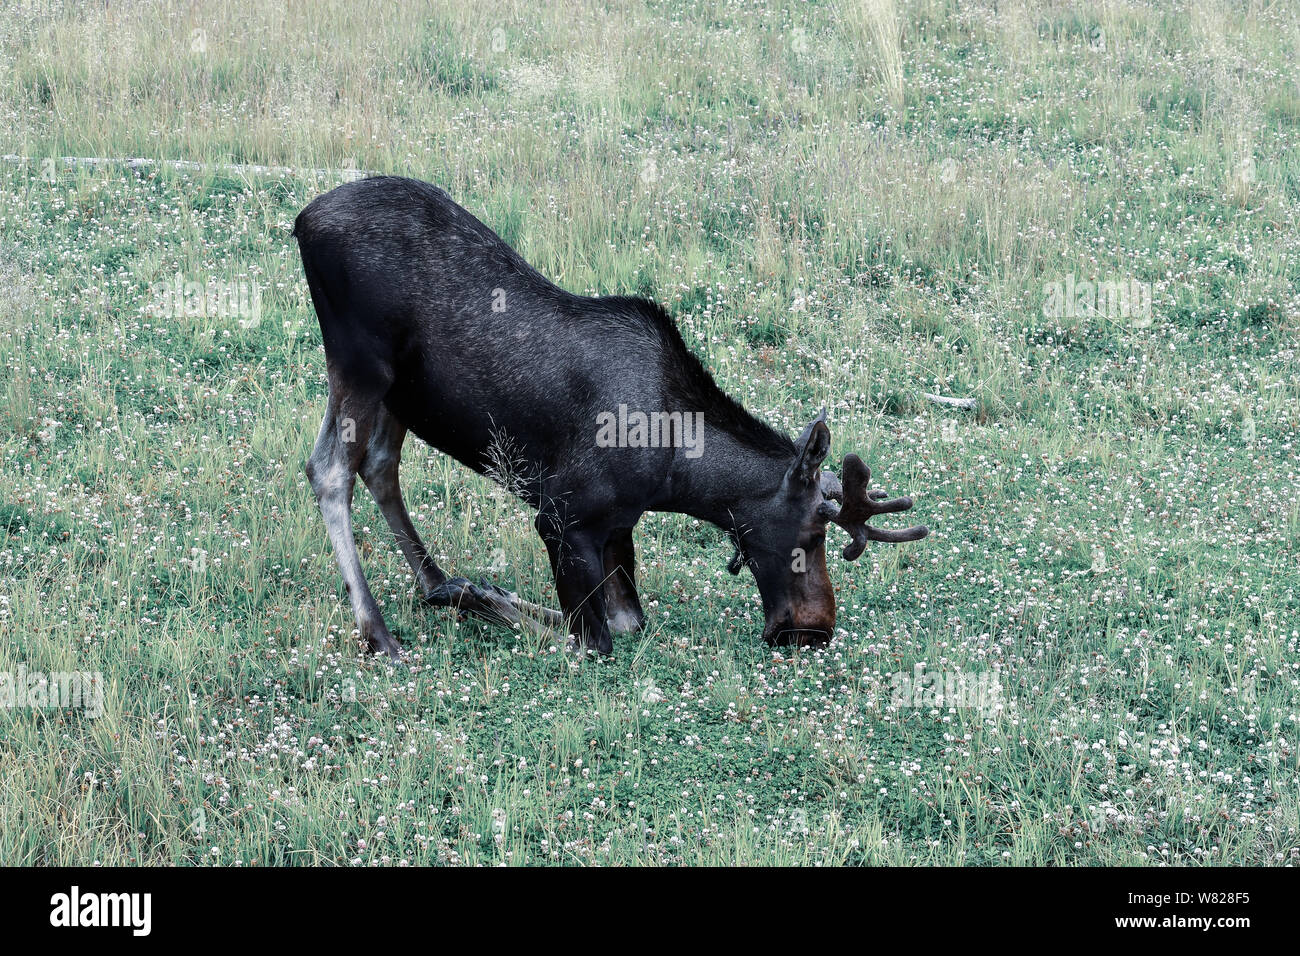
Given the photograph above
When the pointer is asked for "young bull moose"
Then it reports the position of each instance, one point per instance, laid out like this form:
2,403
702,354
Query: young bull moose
432,324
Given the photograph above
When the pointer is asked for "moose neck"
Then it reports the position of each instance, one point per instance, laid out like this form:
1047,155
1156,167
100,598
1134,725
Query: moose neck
735,458
718,485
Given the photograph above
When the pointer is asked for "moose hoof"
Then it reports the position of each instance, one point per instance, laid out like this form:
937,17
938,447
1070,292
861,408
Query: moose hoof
486,601
446,594
380,641
460,594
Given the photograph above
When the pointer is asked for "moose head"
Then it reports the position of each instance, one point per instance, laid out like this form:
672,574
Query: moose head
783,537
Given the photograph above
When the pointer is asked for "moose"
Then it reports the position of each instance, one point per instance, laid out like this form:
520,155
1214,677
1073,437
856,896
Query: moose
433,324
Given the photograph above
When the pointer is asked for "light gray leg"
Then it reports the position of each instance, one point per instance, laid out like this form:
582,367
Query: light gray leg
332,470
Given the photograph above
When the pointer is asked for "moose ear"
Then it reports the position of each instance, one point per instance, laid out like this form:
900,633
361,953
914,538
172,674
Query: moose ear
812,446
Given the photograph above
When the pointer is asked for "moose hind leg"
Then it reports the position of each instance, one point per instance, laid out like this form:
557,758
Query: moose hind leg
332,471
379,470
622,605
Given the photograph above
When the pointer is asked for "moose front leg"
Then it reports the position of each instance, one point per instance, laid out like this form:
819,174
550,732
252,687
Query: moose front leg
577,561
621,601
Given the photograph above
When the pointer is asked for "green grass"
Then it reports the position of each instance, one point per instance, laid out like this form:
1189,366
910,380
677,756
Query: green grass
1114,528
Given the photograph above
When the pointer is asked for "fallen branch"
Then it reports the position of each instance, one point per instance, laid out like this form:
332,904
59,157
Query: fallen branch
969,404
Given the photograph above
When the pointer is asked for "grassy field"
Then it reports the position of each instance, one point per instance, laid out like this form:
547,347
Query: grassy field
850,204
